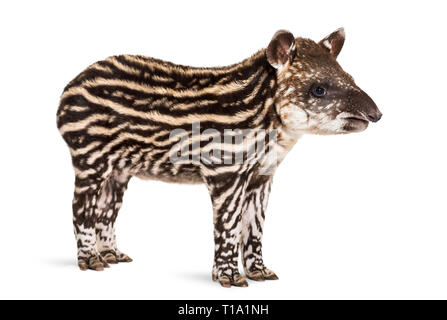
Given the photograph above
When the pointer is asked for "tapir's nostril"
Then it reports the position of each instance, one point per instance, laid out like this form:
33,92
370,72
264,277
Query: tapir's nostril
374,117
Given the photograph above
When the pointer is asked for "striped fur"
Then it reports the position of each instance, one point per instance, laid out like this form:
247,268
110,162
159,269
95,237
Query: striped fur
118,119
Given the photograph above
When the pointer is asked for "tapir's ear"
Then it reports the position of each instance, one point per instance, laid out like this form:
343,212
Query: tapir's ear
334,42
281,49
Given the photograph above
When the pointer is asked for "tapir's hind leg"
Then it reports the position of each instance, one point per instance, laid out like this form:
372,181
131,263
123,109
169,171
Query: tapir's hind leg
84,221
107,207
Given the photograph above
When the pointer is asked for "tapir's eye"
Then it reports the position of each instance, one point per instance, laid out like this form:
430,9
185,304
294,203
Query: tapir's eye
319,91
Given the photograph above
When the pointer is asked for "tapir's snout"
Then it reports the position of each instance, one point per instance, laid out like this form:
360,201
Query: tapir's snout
369,108
374,117
361,110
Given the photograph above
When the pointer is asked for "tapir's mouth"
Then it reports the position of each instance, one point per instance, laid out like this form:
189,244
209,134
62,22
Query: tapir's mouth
357,119
355,123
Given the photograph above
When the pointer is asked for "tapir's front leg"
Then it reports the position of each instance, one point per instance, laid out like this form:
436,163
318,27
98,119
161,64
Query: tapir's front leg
228,195
252,227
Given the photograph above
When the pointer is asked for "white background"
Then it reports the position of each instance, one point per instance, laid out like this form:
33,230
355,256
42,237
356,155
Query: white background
356,216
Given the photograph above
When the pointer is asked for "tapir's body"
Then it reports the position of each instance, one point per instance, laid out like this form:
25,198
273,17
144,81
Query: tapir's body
226,127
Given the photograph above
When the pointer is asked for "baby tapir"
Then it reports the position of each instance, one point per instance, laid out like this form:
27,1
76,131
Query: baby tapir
226,127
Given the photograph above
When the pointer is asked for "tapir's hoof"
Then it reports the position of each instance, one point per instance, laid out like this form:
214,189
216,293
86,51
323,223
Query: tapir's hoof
113,257
93,262
261,275
237,280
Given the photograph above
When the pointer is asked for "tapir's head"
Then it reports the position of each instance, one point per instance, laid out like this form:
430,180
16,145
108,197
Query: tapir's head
314,94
